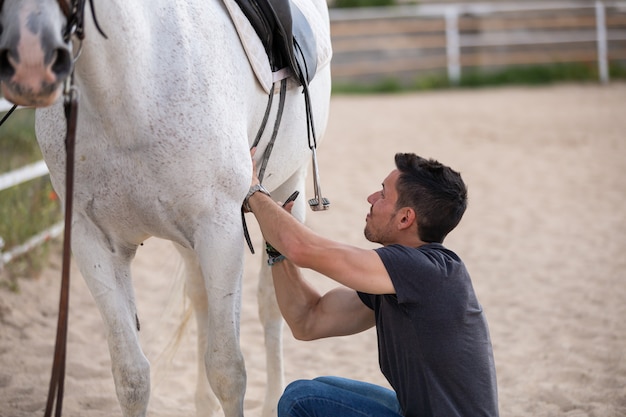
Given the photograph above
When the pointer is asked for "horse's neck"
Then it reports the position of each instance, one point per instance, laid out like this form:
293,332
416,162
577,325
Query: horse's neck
153,51
148,37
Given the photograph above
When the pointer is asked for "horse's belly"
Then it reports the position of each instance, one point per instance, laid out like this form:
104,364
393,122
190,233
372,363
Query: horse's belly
168,198
163,185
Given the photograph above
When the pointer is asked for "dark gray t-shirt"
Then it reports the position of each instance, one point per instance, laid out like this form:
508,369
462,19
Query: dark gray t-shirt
433,340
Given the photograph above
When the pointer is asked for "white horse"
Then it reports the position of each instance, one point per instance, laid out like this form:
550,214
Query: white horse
169,107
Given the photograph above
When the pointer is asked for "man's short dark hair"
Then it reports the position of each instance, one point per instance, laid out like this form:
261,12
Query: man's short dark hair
436,192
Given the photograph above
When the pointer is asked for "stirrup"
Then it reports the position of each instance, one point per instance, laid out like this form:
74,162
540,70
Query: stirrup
318,203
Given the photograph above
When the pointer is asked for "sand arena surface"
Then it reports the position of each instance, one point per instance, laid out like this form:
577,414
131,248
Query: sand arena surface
544,240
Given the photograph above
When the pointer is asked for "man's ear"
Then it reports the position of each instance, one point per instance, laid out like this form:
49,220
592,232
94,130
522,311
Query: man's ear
407,218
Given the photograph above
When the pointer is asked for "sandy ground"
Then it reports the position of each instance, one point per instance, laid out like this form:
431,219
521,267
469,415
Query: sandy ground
544,239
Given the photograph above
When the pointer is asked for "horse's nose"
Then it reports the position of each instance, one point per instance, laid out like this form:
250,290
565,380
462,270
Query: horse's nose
34,57
6,68
60,63
34,79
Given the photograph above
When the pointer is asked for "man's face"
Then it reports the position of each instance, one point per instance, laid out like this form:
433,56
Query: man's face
379,223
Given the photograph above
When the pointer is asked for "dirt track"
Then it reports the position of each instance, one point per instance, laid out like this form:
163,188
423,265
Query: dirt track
544,239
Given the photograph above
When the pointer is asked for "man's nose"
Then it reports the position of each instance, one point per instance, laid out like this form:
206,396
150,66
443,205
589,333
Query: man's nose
373,197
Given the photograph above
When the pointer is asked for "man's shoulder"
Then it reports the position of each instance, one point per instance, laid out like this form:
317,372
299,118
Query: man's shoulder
427,249
431,258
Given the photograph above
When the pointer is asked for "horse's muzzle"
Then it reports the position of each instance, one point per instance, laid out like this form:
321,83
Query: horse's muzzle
28,81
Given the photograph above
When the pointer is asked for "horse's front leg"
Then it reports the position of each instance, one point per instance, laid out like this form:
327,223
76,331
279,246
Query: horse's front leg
219,246
105,267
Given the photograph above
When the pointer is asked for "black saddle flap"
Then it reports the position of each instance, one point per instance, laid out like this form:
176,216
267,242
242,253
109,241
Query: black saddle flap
286,35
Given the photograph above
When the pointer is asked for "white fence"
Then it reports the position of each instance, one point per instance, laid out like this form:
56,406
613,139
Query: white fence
16,177
372,43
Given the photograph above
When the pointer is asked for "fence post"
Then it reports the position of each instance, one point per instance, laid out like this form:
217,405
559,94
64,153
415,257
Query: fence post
453,44
603,67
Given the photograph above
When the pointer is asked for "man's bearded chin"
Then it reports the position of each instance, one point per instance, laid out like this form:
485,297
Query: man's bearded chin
369,235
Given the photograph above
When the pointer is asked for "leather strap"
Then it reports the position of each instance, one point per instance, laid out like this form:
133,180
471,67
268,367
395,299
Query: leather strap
57,377
268,149
279,117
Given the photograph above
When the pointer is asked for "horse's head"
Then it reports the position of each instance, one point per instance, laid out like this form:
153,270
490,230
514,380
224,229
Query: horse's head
35,58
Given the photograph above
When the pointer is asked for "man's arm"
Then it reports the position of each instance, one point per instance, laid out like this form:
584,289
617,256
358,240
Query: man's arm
356,268
339,312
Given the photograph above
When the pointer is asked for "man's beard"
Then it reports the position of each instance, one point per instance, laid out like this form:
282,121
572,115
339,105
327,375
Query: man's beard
371,236
380,235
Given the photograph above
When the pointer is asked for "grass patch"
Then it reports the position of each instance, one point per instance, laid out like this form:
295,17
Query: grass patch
523,75
18,145
362,3
28,208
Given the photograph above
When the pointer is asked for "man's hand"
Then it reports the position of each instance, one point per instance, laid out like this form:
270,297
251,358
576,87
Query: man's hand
255,185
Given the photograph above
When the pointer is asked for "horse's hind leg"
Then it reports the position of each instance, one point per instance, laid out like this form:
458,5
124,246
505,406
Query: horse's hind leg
207,404
269,312
272,321
107,273
220,256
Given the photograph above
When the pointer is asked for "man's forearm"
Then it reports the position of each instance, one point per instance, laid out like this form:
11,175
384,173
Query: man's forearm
296,298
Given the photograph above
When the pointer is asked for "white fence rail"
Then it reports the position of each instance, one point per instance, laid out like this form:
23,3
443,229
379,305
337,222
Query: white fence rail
379,41
23,174
16,177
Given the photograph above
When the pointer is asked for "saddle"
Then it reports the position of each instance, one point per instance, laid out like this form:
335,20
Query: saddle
286,35
282,39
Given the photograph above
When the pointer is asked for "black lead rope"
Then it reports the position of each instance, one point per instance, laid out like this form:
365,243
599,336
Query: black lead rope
6,116
57,377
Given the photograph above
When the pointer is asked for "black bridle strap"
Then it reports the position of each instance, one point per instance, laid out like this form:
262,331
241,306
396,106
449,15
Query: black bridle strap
75,14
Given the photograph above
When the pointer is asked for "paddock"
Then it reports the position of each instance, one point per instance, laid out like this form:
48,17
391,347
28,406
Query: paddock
543,238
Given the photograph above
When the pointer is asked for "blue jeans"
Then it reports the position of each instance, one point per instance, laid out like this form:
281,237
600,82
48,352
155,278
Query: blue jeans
331,396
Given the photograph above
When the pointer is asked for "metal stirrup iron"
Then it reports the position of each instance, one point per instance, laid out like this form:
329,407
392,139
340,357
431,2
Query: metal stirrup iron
318,203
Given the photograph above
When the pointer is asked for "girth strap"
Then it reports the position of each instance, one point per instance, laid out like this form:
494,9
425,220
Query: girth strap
270,146
279,116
